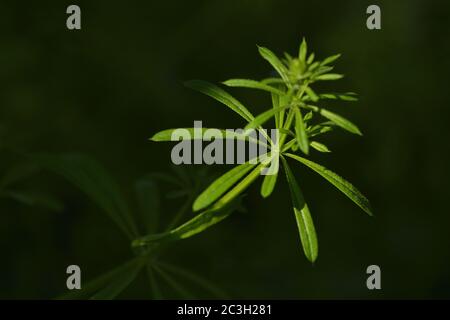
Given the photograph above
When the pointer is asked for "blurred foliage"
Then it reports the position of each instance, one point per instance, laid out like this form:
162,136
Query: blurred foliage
105,89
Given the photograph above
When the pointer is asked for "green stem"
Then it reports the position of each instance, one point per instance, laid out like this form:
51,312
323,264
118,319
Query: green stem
290,117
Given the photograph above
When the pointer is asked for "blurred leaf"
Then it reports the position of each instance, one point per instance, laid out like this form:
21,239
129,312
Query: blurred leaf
154,284
205,284
221,185
346,187
180,289
305,224
91,178
91,287
174,194
164,177
149,203
246,83
17,173
220,95
182,173
118,283
34,199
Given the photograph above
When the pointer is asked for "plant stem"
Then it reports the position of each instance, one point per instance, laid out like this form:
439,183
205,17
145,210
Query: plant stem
290,117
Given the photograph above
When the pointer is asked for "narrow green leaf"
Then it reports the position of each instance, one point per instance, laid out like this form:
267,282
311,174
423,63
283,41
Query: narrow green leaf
319,129
270,181
264,117
308,116
219,211
221,185
240,187
320,71
119,283
303,51
246,83
311,94
305,223
329,76
270,81
287,59
319,146
337,119
92,178
220,95
288,132
348,96
166,135
330,59
341,121
313,66
300,132
291,144
275,62
343,185
202,221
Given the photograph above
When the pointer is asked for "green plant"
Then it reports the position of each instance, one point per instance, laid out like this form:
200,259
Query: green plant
12,188
165,279
296,111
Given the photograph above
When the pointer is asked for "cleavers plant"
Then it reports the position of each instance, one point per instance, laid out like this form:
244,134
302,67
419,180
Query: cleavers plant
299,120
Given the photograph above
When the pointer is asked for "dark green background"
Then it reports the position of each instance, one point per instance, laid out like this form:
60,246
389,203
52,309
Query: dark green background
106,89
